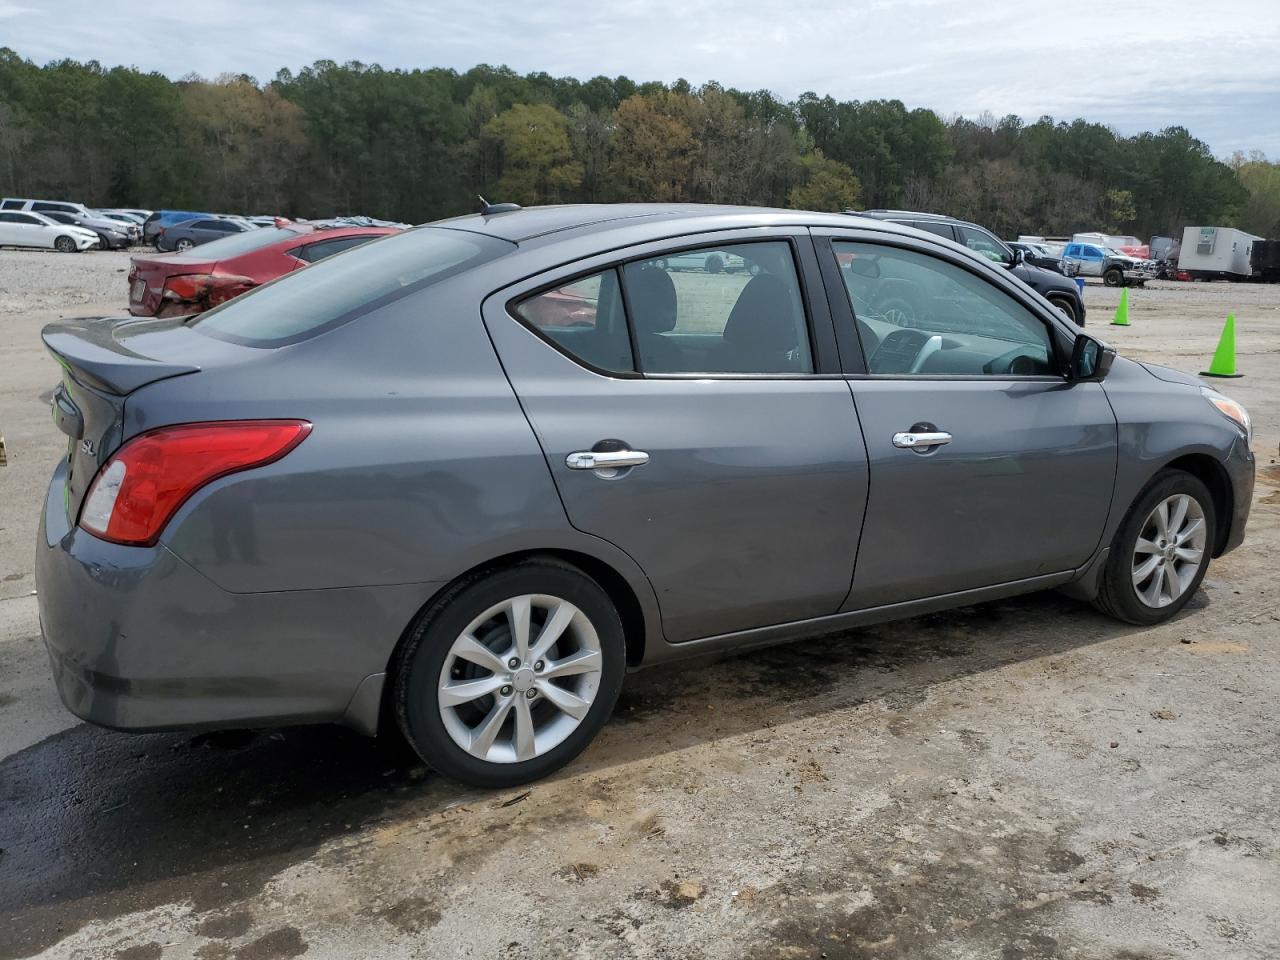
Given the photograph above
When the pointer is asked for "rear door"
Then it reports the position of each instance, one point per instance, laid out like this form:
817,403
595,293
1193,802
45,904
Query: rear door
690,413
987,466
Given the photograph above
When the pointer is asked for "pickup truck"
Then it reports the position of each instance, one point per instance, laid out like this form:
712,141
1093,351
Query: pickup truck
1116,269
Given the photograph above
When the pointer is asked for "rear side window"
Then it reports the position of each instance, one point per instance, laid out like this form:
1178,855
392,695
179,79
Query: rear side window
13,204
729,309
932,226
736,308
307,302
585,319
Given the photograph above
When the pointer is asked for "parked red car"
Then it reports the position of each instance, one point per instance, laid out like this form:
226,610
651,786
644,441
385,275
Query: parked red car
171,285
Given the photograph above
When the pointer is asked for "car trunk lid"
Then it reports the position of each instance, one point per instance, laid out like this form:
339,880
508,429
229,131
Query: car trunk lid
104,361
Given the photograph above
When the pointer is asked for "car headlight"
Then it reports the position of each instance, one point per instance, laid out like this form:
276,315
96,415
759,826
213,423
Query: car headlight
1233,411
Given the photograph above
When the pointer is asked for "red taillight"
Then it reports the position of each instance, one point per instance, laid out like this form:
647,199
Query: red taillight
152,475
195,286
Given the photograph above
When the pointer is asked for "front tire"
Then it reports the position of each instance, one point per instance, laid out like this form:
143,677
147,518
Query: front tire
1067,307
1161,552
1113,278
64,244
510,674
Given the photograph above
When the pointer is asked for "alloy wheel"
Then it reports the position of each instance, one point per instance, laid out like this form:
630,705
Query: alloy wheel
520,678
1169,550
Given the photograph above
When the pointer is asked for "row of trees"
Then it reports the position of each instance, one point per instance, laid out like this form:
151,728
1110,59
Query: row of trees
421,144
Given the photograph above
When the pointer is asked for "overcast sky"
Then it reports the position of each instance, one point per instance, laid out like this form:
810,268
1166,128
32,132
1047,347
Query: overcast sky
1210,65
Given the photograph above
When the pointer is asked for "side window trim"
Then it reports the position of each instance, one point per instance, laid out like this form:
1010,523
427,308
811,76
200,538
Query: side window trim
850,339
815,299
560,281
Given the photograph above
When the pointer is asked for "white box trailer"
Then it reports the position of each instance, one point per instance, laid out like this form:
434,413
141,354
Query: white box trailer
1216,253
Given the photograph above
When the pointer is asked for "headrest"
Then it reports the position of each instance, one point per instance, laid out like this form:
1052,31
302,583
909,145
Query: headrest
652,298
764,316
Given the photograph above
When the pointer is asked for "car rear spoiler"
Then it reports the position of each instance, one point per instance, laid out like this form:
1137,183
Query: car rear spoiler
94,353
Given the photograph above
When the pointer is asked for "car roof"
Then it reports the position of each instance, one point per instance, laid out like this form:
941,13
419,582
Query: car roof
530,223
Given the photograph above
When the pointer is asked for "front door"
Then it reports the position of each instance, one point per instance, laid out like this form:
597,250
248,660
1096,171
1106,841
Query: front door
987,465
677,398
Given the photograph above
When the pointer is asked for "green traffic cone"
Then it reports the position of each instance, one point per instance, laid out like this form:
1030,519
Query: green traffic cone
1122,311
1224,358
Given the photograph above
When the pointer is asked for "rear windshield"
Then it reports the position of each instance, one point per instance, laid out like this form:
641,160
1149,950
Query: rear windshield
346,285
235,244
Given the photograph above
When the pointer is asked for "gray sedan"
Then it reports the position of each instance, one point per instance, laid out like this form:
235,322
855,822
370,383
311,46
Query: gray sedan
456,483
191,233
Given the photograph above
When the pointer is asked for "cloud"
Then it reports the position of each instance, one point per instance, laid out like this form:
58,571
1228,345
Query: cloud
1218,75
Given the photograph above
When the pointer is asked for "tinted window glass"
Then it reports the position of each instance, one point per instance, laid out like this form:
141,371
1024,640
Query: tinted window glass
939,227
327,248
224,226
239,243
333,291
726,309
23,218
13,204
60,217
919,315
979,241
585,319
45,207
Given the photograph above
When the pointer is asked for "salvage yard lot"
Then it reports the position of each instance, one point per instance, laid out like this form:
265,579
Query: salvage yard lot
1023,779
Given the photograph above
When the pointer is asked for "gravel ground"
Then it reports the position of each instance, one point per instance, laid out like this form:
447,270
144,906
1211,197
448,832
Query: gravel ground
1021,780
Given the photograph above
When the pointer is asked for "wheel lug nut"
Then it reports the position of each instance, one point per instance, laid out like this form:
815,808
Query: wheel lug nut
506,691
513,663
539,666
531,693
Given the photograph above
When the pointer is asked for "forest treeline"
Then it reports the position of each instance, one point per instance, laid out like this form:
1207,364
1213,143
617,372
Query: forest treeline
416,145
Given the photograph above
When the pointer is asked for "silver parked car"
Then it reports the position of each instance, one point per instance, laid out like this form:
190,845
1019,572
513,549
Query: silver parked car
458,481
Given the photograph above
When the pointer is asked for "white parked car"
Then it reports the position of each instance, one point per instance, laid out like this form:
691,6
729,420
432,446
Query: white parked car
111,233
23,229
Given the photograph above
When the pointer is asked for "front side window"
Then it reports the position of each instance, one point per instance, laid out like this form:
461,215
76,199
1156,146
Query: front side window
979,241
736,308
584,318
918,315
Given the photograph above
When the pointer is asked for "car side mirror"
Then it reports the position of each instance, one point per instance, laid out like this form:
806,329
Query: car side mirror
1019,256
1091,359
863,267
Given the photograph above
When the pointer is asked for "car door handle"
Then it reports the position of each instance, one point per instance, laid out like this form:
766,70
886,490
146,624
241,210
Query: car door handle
916,441
606,460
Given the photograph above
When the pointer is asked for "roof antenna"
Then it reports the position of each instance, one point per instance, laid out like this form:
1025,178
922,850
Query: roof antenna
488,209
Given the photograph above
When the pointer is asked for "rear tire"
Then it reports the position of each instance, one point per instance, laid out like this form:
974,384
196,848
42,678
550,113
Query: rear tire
183,245
1124,593
449,731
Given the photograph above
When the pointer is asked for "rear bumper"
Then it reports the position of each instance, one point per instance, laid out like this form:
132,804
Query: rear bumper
139,640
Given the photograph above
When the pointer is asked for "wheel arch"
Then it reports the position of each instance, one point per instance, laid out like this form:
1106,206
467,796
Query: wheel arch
630,611
1213,475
